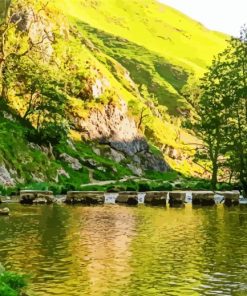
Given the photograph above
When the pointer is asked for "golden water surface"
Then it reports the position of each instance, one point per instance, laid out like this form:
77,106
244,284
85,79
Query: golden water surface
133,251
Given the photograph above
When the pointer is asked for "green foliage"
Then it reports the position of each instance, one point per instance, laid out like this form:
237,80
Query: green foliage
221,110
50,133
50,94
12,284
124,39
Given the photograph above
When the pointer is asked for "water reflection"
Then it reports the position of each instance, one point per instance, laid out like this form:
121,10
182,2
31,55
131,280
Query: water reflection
118,250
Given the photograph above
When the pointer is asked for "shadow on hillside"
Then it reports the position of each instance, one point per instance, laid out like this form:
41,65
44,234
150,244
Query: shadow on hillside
145,67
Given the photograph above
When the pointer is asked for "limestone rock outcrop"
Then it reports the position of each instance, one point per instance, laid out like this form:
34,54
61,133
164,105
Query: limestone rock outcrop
113,126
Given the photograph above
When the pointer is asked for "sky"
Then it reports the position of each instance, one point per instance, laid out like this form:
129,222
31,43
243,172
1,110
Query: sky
221,15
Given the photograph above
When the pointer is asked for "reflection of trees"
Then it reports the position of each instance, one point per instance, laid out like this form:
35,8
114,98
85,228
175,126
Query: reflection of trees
163,251
114,250
35,242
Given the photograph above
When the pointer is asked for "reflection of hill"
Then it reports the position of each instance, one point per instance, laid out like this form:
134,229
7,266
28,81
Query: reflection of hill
132,251
106,234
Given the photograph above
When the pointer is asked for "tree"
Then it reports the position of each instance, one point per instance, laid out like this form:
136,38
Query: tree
211,117
38,91
236,63
15,41
220,117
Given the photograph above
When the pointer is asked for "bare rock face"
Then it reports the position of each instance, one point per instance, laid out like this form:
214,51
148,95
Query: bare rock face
99,87
113,126
116,155
5,177
72,162
136,170
156,163
38,29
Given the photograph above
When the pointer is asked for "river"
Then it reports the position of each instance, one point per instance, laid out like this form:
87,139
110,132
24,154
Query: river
115,250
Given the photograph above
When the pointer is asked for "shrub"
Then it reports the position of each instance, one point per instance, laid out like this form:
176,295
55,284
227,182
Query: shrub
12,284
143,187
49,133
224,186
166,186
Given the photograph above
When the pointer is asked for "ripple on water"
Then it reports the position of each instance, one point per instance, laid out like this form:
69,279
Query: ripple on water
116,250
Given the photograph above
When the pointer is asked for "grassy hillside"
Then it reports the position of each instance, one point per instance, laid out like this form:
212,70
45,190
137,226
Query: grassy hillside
157,44
143,53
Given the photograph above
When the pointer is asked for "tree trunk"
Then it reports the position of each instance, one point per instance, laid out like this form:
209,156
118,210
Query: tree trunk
214,178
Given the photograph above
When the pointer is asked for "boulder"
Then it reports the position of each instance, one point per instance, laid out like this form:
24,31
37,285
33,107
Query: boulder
127,197
38,197
203,198
85,197
231,197
176,198
5,177
74,163
116,156
4,212
135,169
156,198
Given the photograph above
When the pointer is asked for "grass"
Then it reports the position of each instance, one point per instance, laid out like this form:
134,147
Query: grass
157,44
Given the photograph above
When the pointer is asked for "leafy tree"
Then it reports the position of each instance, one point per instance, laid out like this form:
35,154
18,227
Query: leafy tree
210,117
39,89
220,111
236,63
15,41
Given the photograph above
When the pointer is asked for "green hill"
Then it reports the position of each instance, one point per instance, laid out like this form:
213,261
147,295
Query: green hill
158,45
112,73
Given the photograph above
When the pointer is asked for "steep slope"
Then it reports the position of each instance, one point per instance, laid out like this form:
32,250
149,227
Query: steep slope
158,45
119,67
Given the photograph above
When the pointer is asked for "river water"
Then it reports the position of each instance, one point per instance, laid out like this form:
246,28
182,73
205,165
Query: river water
134,251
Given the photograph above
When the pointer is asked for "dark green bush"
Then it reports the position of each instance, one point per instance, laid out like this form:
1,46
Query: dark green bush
49,133
12,284
224,186
166,186
93,188
143,187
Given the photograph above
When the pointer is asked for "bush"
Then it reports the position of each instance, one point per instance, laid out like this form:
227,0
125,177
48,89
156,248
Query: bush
93,188
224,186
143,187
166,186
50,133
67,187
12,284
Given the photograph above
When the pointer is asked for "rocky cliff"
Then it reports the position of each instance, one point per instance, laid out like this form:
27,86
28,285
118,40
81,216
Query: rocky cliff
118,102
